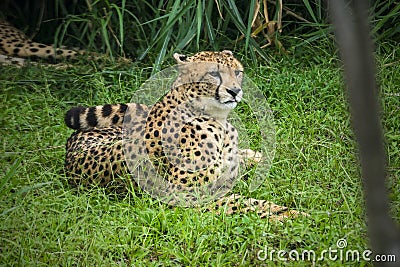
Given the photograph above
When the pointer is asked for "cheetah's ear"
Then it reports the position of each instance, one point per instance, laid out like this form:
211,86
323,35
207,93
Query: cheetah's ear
180,58
229,52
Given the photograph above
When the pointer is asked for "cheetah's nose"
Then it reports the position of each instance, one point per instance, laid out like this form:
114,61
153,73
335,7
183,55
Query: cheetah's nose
236,93
233,91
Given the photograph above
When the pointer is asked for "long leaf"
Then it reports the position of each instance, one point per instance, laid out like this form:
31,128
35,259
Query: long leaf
310,11
120,12
250,19
199,19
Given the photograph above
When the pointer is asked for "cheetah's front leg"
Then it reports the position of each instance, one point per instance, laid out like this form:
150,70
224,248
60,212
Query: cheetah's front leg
248,157
265,209
240,204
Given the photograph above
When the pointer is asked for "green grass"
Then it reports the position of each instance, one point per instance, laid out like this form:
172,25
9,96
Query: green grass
45,222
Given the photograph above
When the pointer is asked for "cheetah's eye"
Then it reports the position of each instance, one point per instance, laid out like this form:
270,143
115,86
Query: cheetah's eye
215,74
238,72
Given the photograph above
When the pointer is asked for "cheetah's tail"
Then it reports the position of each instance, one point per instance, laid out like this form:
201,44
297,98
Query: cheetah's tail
85,118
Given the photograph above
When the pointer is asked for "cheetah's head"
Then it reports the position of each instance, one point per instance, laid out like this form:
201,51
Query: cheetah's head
221,70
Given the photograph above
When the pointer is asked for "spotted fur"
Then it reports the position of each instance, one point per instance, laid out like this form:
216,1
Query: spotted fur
193,114
15,46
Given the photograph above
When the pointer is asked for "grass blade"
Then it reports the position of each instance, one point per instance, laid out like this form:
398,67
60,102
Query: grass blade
250,19
310,11
199,19
10,173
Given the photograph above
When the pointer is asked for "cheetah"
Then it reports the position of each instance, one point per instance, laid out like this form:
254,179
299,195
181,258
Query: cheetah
15,47
187,145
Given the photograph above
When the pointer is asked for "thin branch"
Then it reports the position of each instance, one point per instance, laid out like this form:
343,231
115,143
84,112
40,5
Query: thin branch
290,12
